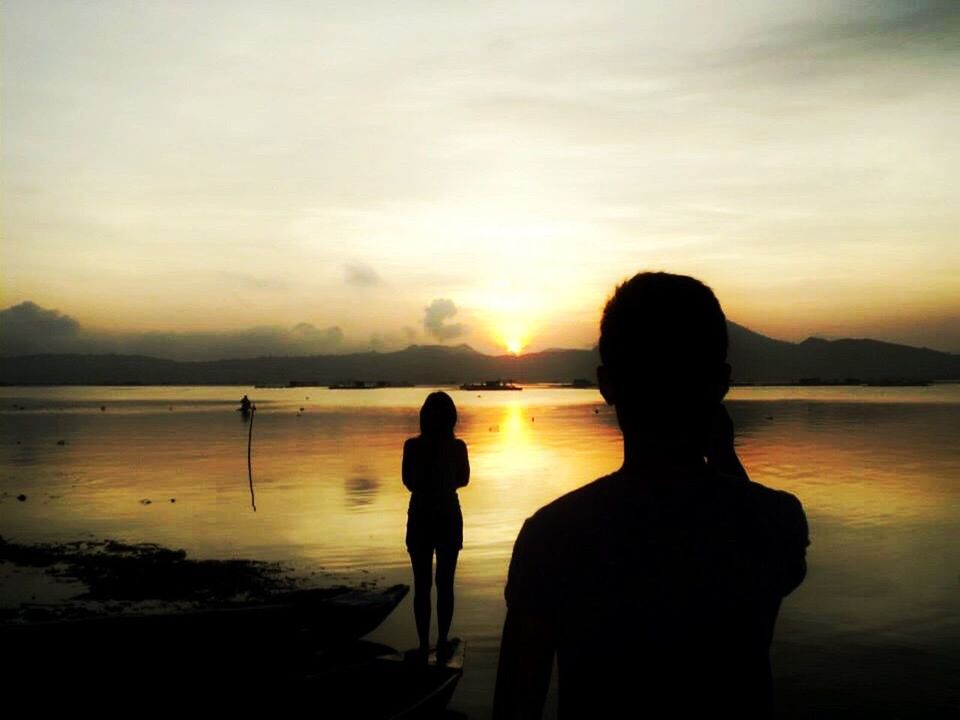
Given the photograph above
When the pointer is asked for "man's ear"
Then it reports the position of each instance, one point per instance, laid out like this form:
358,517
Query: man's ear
605,383
723,381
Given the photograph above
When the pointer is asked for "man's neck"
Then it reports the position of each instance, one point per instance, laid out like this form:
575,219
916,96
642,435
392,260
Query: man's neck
645,460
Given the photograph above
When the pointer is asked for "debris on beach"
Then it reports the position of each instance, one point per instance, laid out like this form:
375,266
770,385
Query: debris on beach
21,497
109,577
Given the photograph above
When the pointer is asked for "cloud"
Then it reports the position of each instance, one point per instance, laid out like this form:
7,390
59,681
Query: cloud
361,275
435,315
310,333
390,341
28,329
822,60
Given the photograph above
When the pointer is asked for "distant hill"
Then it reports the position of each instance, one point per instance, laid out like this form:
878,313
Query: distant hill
757,358
754,357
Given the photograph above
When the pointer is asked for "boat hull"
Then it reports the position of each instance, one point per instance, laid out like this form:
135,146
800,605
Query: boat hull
187,648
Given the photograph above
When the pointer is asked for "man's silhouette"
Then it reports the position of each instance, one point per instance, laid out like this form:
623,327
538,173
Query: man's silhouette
657,587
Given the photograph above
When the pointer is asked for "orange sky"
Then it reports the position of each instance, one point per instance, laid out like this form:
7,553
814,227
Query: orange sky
480,174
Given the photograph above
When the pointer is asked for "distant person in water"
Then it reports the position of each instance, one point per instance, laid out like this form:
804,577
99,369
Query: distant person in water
245,405
656,587
435,465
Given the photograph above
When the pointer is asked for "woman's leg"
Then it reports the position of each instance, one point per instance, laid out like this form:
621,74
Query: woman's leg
446,567
422,561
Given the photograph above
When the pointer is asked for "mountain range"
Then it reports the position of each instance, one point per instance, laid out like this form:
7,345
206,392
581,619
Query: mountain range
755,359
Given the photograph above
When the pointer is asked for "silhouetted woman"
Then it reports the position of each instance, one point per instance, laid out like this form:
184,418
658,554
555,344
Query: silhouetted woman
435,464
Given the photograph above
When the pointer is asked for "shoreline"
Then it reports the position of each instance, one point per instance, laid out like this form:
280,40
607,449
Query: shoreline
99,578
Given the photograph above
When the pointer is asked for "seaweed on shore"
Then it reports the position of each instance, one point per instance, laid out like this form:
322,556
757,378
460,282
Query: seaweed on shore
120,575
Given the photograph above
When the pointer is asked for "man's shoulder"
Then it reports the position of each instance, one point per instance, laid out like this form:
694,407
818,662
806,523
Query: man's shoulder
771,499
589,504
771,510
575,507
553,535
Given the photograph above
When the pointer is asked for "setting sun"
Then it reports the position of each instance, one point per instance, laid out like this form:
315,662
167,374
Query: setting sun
514,335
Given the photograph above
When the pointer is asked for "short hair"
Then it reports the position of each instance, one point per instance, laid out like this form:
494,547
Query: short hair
438,416
665,321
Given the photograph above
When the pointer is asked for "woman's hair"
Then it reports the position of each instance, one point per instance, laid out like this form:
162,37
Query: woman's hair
438,415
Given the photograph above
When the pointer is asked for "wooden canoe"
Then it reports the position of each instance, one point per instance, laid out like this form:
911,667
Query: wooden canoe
257,639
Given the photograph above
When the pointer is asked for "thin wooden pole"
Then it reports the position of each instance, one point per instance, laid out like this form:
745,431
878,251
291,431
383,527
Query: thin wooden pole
253,414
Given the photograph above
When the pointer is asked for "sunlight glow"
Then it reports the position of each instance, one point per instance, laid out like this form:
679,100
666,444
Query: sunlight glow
509,316
513,334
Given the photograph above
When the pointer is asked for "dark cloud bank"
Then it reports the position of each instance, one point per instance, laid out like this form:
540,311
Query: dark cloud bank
28,329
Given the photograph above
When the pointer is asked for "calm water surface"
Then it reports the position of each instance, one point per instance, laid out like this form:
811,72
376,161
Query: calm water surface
876,624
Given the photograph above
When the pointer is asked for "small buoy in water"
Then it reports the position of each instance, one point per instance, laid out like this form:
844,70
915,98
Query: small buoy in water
21,497
173,500
146,501
301,409
61,442
103,408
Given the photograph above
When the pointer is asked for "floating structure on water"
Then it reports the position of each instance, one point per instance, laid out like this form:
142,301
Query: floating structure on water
491,385
364,385
344,385
576,384
835,382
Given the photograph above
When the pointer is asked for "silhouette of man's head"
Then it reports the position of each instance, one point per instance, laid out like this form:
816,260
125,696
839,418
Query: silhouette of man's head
663,348
438,416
